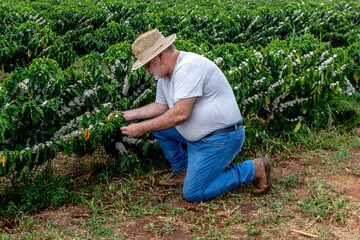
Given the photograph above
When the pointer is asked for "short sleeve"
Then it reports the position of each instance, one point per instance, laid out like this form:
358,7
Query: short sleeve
160,97
188,82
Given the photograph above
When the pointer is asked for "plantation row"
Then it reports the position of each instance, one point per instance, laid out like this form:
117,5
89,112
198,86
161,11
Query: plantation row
64,31
292,65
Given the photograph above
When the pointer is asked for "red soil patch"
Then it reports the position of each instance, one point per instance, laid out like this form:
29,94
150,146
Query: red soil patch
354,190
289,168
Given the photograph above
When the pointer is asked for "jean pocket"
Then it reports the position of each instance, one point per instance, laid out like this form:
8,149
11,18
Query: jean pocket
218,139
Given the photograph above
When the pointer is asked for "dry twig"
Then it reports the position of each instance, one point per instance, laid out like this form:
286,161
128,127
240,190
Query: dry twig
304,233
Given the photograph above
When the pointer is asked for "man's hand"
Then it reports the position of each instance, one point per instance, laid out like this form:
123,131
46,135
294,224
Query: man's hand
113,114
133,130
128,115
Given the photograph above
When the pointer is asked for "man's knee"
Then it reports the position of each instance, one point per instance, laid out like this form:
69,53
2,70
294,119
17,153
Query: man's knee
191,195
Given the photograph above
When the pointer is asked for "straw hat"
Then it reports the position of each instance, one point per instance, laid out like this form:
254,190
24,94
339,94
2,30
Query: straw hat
149,45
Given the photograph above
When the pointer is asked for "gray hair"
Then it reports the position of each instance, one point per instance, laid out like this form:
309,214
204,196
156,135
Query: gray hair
170,49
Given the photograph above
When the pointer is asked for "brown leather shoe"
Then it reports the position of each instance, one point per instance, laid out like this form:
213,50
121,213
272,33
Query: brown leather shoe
177,179
262,181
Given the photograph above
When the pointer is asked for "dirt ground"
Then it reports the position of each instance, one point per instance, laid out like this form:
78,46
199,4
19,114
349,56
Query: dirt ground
227,216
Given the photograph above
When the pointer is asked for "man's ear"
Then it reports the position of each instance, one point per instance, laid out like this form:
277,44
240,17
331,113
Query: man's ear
161,55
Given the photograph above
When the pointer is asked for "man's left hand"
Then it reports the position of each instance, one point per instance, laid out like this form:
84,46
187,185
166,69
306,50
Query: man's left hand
133,130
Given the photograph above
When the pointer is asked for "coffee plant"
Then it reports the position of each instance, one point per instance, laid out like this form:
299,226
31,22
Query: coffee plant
292,64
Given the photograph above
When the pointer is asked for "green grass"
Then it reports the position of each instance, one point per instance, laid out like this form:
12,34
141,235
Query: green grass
161,228
292,180
95,228
326,203
33,191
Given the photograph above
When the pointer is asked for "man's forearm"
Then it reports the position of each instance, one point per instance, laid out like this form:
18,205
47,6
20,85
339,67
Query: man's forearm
170,118
149,111
167,120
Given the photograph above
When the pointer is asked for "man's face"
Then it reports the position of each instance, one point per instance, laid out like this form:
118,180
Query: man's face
156,68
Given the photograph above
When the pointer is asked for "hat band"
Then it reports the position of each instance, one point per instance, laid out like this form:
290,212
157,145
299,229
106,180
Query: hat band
155,47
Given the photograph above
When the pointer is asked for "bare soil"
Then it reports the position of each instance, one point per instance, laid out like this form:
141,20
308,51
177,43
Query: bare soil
229,213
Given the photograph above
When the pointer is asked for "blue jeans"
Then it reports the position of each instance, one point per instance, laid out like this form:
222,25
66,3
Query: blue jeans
206,161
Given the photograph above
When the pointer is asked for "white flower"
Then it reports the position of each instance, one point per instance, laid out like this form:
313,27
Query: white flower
120,147
218,61
89,92
258,54
253,22
77,100
23,86
126,86
107,104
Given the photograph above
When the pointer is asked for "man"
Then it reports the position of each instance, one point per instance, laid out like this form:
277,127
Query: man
195,106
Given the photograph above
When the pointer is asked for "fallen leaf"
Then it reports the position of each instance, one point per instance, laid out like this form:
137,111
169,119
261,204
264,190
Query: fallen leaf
193,208
161,198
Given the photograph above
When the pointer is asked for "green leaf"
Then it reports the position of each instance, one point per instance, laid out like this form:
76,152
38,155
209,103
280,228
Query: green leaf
39,110
297,127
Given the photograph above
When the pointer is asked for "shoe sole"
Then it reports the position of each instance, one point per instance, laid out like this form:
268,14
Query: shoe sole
268,171
268,179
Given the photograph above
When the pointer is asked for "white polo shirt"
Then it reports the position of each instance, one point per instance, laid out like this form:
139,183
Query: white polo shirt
215,106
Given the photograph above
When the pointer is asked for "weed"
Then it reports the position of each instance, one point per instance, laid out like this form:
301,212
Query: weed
24,223
356,169
290,181
199,220
338,157
29,193
163,229
173,211
213,233
236,217
326,205
193,228
253,230
209,205
265,236
310,171
189,217
92,206
94,226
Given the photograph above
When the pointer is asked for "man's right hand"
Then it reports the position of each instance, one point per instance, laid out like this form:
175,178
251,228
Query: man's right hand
128,115
112,114
149,111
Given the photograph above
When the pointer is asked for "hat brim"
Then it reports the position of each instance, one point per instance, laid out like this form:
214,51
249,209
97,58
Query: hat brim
169,40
